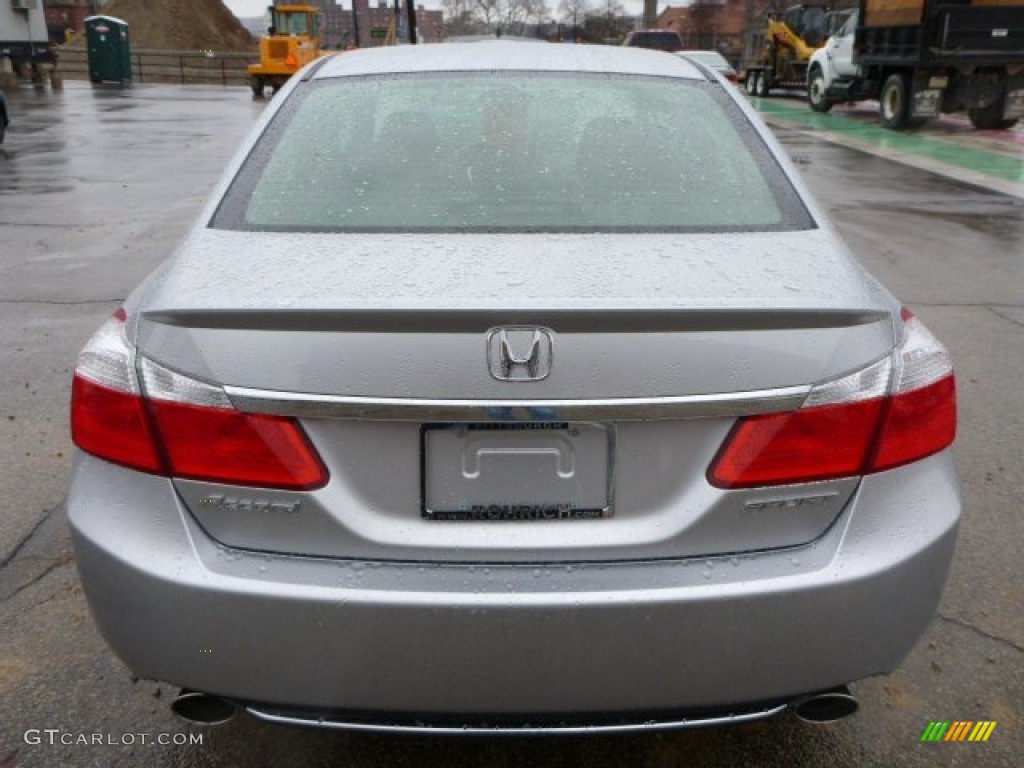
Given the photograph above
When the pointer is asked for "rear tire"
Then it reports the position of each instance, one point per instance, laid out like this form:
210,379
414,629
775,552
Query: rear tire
764,84
258,84
894,102
752,82
990,118
816,92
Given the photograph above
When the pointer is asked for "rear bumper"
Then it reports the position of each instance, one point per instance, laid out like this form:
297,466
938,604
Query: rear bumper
476,724
399,641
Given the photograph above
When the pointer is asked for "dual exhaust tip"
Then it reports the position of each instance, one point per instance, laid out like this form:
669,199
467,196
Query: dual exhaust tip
819,708
826,706
202,708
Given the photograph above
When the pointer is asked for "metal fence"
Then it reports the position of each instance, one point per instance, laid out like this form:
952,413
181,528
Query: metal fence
155,66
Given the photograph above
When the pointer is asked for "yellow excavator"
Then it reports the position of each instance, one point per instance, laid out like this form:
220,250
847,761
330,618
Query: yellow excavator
292,41
779,54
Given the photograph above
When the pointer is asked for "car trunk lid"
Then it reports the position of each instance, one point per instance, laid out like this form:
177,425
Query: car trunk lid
385,347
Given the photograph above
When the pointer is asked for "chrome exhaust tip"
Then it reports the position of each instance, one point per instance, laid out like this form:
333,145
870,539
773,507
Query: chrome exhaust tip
826,707
202,708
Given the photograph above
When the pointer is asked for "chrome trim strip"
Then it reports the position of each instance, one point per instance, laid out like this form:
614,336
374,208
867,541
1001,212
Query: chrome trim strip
612,409
524,730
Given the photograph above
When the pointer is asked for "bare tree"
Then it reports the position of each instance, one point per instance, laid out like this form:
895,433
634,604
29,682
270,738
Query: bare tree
573,11
612,14
489,11
612,9
510,15
515,14
537,10
458,16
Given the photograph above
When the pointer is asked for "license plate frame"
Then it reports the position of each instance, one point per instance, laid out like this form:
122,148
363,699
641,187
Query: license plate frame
580,486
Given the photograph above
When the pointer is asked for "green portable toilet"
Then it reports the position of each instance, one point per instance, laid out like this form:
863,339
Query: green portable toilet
110,57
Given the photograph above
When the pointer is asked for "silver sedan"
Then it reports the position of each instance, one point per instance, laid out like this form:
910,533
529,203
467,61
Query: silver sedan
512,387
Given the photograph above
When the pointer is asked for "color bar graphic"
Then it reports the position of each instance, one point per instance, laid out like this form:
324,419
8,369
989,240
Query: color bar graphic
958,730
982,730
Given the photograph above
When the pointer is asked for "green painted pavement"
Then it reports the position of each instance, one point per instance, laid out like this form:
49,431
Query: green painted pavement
990,163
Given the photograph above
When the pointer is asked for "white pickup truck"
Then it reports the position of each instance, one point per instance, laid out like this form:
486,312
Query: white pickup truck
920,59
24,41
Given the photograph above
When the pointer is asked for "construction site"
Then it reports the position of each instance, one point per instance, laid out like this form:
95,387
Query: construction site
194,25
199,41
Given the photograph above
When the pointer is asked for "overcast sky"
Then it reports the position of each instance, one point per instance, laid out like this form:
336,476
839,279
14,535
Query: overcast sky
258,7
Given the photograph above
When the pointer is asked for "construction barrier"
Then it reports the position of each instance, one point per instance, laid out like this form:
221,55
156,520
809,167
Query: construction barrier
155,66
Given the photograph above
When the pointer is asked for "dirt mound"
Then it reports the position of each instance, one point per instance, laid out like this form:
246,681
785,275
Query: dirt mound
180,25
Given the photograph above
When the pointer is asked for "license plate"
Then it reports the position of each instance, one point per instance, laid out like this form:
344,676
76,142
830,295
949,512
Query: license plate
517,472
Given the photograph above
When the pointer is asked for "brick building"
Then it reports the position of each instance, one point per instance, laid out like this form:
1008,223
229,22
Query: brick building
65,15
339,30
712,24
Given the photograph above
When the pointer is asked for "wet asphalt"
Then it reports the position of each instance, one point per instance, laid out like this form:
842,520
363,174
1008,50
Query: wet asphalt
96,186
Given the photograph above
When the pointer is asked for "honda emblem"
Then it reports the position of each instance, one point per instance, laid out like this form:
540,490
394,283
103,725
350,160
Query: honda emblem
519,353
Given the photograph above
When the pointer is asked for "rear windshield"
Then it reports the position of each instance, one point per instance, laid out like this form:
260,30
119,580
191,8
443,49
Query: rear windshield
662,41
519,152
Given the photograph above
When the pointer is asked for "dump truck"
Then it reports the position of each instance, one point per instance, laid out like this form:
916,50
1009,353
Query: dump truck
920,58
777,55
292,41
24,40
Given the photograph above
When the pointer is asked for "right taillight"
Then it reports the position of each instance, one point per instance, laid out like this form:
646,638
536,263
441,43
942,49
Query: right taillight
921,415
177,426
896,411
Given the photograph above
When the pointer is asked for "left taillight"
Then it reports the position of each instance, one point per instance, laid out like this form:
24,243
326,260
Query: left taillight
108,414
173,425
